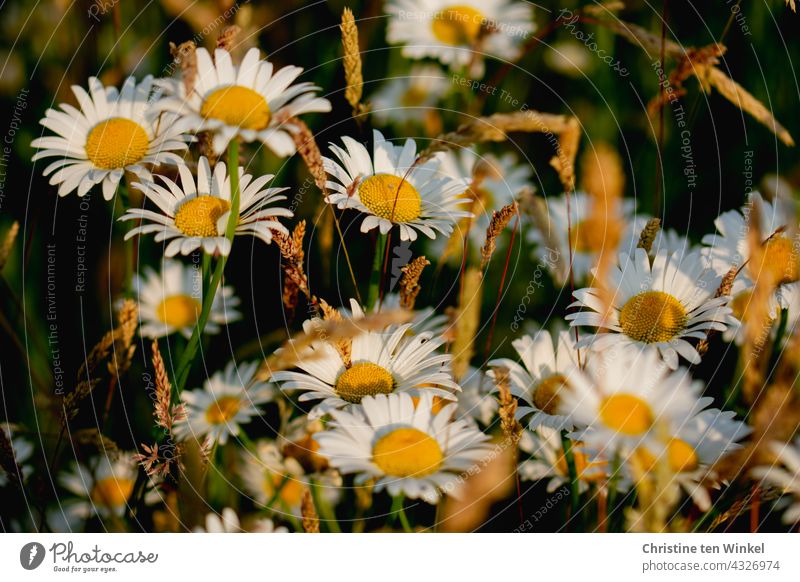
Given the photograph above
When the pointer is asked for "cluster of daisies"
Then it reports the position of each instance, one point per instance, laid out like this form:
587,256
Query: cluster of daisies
604,397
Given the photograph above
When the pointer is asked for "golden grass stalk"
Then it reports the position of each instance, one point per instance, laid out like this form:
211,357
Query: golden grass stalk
564,161
498,223
741,505
352,62
309,513
7,460
707,74
296,348
467,319
342,345
648,234
512,429
409,281
184,55
723,290
121,339
8,244
94,438
227,38
791,4
163,411
295,281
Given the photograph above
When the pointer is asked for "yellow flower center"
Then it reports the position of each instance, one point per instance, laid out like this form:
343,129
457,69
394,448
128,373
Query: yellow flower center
407,452
681,457
111,492
237,106
390,197
414,96
223,410
116,143
588,236
545,394
199,216
457,25
179,310
626,413
291,493
652,316
363,379
780,260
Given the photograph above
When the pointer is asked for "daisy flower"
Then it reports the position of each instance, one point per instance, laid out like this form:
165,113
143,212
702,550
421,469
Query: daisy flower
627,398
660,305
551,241
104,486
114,131
692,447
731,247
247,102
376,362
390,189
405,447
499,180
228,399
784,474
742,295
542,376
228,522
461,32
475,401
194,215
408,98
171,301
547,461
271,477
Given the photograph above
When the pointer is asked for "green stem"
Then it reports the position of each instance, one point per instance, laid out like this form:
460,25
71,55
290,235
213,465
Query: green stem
399,511
377,269
612,492
185,364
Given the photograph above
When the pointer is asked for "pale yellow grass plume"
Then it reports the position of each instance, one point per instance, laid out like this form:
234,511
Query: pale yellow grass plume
295,278
564,160
648,234
487,482
227,38
723,290
466,321
8,244
331,331
184,55
498,223
604,181
409,282
342,345
791,4
705,69
352,62
309,513
120,339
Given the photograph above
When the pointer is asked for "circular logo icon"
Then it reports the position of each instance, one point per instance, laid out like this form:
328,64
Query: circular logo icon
31,555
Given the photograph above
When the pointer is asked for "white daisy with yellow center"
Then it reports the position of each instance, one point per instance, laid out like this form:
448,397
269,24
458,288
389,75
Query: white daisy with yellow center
662,305
476,403
460,32
542,376
627,399
584,232
499,179
403,445
784,474
113,132
228,400
248,101
103,484
546,460
392,190
195,214
688,449
381,362
171,301
409,98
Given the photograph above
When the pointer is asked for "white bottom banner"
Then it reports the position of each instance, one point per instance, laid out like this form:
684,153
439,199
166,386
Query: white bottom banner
401,557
